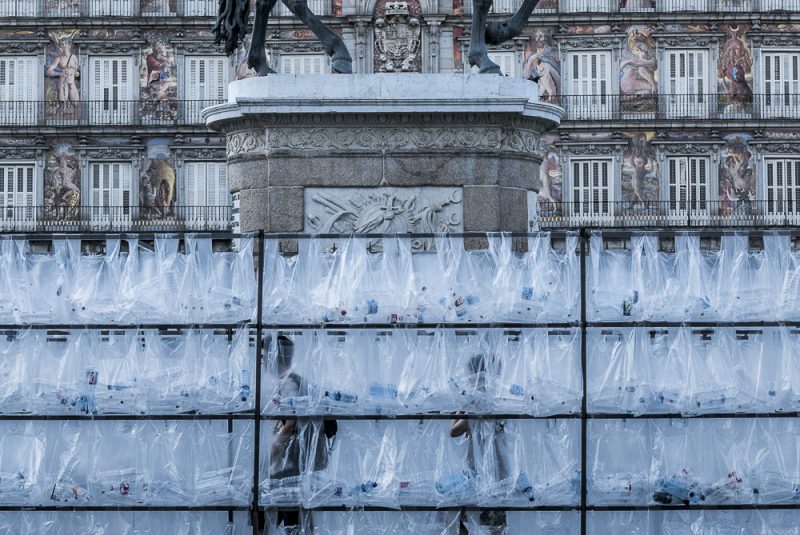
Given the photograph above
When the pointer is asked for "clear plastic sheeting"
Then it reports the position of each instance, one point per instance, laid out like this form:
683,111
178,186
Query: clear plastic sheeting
389,281
728,282
91,372
123,523
173,281
125,463
488,463
480,371
432,523
693,462
693,371
693,523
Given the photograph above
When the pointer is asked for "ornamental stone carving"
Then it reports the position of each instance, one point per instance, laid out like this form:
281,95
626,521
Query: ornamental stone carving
248,142
397,38
384,211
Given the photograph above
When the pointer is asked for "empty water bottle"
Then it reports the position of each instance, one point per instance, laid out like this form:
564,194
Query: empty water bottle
244,388
516,391
627,304
524,486
677,489
458,481
383,390
343,397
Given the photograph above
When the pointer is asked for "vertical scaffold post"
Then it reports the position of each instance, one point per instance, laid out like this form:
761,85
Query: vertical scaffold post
254,513
584,476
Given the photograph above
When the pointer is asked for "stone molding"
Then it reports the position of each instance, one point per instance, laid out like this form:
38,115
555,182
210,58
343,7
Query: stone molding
245,143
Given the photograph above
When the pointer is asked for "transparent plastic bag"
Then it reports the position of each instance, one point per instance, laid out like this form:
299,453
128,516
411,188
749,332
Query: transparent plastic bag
620,457
17,369
223,462
557,386
21,458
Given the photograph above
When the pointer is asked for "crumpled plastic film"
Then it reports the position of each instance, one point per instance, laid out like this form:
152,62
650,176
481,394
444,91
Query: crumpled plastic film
124,523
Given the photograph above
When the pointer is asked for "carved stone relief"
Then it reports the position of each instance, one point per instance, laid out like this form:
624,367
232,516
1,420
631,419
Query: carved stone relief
384,211
397,38
245,143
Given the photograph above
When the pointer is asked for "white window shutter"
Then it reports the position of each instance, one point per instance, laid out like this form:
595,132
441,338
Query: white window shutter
590,82
191,75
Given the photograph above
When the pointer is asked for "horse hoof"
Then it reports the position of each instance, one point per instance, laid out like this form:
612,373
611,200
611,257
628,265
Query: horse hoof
342,65
484,64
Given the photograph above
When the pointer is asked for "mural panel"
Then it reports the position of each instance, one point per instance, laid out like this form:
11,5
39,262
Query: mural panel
737,177
639,182
551,177
158,89
62,178
735,71
638,72
62,76
157,182
543,64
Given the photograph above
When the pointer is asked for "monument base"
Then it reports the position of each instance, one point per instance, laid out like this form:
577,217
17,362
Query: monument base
383,153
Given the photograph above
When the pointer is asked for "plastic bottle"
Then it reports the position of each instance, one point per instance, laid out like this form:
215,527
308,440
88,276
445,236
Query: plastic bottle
452,483
524,486
343,397
244,388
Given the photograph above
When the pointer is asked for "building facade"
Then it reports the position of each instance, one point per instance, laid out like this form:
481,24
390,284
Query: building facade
678,111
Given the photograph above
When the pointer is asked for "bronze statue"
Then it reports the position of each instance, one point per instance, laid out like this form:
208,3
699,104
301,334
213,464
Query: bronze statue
231,28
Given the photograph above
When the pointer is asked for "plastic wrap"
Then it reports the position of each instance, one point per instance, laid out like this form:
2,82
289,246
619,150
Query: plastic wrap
123,523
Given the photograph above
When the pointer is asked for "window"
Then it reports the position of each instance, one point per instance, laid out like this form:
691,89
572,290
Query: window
17,8
591,188
110,90
206,83
304,64
507,61
589,85
111,7
200,8
782,186
687,184
781,79
18,76
318,7
687,80
586,6
205,191
17,191
110,191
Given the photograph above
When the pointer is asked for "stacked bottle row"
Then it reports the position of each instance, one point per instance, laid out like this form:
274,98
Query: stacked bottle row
694,370
126,371
405,371
551,523
401,280
171,281
694,461
126,463
123,523
730,283
447,463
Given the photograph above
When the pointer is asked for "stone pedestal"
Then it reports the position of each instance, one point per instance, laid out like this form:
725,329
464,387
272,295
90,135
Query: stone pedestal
383,153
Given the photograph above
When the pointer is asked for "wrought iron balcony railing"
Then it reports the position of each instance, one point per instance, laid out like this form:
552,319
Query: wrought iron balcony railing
742,213
680,106
117,218
671,6
107,8
104,112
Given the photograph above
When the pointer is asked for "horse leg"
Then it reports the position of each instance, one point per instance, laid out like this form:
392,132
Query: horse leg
257,56
499,32
341,61
477,41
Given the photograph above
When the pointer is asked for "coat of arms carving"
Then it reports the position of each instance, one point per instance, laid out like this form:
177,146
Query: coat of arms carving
397,38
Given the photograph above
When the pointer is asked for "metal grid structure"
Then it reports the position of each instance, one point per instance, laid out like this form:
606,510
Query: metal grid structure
257,417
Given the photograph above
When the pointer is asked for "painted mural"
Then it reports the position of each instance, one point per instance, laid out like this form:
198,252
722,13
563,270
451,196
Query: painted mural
62,178
639,182
735,71
543,64
638,72
157,182
547,5
458,56
551,177
737,177
62,76
158,89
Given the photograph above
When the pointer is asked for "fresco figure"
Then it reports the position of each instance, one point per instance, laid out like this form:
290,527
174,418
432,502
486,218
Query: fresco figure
61,190
544,67
64,68
736,176
157,190
639,166
638,67
735,71
159,88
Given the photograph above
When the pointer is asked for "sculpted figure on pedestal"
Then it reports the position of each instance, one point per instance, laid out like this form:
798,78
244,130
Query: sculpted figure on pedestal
231,29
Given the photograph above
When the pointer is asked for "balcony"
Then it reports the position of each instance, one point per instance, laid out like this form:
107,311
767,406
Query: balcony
623,214
680,107
107,8
99,113
113,218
